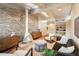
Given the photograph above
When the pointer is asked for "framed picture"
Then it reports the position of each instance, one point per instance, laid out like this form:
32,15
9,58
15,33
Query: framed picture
76,27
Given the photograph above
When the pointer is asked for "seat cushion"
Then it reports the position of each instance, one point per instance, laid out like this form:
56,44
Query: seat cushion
63,40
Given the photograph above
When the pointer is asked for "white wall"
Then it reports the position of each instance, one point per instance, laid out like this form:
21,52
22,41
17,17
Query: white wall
70,24
68,28
52,28
42,25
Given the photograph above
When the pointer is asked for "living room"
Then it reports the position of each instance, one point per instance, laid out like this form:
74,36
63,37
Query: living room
39,29
57,20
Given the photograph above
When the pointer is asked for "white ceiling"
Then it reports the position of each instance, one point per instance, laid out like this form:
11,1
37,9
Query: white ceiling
57,10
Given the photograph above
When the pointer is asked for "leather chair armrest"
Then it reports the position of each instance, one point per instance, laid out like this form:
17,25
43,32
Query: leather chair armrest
57,46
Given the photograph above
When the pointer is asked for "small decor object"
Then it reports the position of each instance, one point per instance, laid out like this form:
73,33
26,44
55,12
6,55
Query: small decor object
12,34
51,38
49,52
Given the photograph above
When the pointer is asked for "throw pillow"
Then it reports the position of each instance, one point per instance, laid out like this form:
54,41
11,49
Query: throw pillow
63,40
66,50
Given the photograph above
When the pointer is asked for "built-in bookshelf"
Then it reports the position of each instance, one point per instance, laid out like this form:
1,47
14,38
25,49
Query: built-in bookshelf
60,29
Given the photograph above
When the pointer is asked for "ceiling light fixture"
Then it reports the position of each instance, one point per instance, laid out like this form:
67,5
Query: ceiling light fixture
59,9
44,13
35,9
31,5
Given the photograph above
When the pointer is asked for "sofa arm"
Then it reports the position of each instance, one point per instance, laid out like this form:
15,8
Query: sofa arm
64,54
70,43
57,46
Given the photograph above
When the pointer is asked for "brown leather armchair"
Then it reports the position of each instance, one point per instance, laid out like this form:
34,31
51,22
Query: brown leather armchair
9,43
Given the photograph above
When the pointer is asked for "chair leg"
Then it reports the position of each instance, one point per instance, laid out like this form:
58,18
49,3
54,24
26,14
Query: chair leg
31,51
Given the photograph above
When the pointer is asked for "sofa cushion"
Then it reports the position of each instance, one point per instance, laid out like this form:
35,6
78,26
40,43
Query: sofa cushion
63,40
57,46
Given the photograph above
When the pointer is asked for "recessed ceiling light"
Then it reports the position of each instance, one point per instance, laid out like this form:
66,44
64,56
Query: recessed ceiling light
52,24
59,9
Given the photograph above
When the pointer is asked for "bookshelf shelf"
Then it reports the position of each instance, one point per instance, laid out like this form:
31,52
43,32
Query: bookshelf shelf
60,29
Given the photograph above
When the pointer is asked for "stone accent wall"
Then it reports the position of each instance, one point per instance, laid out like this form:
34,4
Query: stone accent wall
33,23
11,20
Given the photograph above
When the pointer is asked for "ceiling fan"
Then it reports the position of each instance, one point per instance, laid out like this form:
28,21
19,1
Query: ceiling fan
34,9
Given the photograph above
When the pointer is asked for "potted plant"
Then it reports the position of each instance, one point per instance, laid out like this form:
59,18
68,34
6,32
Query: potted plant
49,52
